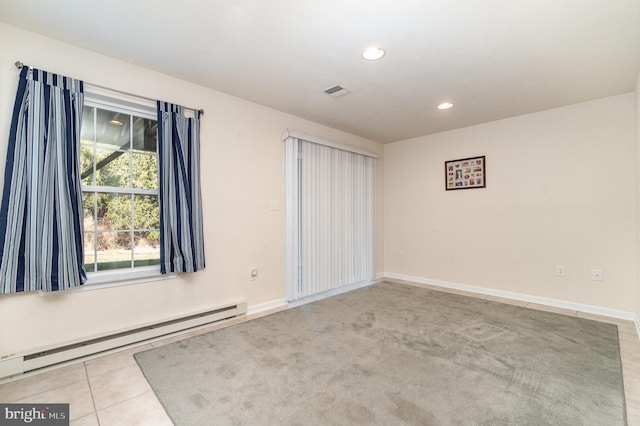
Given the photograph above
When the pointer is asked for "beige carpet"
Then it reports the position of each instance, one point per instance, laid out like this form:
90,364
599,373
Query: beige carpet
393,354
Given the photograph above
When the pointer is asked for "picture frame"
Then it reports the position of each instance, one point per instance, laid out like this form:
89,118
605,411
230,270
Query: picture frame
465,173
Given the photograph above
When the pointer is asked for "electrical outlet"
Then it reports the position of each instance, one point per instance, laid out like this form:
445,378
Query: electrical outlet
596,275
402,254
253,274
560,270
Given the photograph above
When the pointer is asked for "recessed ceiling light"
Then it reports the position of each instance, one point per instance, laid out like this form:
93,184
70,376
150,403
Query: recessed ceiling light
116,122
445,105
373,53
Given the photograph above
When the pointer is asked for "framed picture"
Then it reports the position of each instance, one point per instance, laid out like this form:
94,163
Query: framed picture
466,173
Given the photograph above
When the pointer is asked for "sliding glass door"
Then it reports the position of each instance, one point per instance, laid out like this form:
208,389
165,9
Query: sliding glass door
330,218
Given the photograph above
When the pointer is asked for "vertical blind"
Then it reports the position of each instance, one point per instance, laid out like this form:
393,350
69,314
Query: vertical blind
333,204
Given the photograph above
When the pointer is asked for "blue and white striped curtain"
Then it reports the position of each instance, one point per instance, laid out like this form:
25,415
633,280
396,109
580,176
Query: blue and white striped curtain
181,234
40,215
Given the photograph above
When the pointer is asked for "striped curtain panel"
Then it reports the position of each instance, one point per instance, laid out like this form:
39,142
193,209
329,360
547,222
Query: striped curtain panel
181,234
40,215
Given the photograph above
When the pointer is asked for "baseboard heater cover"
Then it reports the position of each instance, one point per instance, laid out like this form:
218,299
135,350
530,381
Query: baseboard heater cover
19,364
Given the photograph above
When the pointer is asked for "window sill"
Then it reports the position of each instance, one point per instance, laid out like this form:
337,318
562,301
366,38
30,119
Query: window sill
109,279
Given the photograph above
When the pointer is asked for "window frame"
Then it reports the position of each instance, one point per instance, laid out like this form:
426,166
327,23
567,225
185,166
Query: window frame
98,97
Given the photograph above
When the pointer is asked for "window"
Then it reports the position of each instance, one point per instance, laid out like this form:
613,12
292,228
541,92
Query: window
119,172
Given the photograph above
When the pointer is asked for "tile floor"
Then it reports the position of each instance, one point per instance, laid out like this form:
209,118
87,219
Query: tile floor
111,390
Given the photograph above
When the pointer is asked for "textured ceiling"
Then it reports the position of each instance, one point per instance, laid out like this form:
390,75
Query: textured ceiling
492,58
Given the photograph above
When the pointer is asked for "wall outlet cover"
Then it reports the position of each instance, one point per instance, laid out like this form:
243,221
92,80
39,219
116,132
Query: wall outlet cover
596,275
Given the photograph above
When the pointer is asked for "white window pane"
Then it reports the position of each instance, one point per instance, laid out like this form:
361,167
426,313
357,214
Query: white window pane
113,129
114,212
89,251
113,168
147,248
146,212
87,131
145,135
86,164
114,250
89,213
145,171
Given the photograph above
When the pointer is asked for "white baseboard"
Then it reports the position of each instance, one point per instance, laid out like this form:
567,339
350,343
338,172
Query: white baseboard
333,292
261,307
597,310
613,313
278,303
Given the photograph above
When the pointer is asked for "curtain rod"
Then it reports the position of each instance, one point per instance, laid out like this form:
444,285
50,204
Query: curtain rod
21,65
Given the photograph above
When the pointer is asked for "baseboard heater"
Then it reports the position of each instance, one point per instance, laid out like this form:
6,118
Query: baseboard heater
11,365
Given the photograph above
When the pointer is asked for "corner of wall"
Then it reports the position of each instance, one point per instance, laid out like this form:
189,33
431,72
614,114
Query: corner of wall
638,203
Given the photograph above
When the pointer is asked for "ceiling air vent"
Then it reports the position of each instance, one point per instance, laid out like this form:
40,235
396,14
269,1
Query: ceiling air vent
337,91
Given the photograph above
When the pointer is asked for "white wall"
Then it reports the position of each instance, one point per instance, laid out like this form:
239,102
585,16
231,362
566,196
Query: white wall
243,168
638,196
561,190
